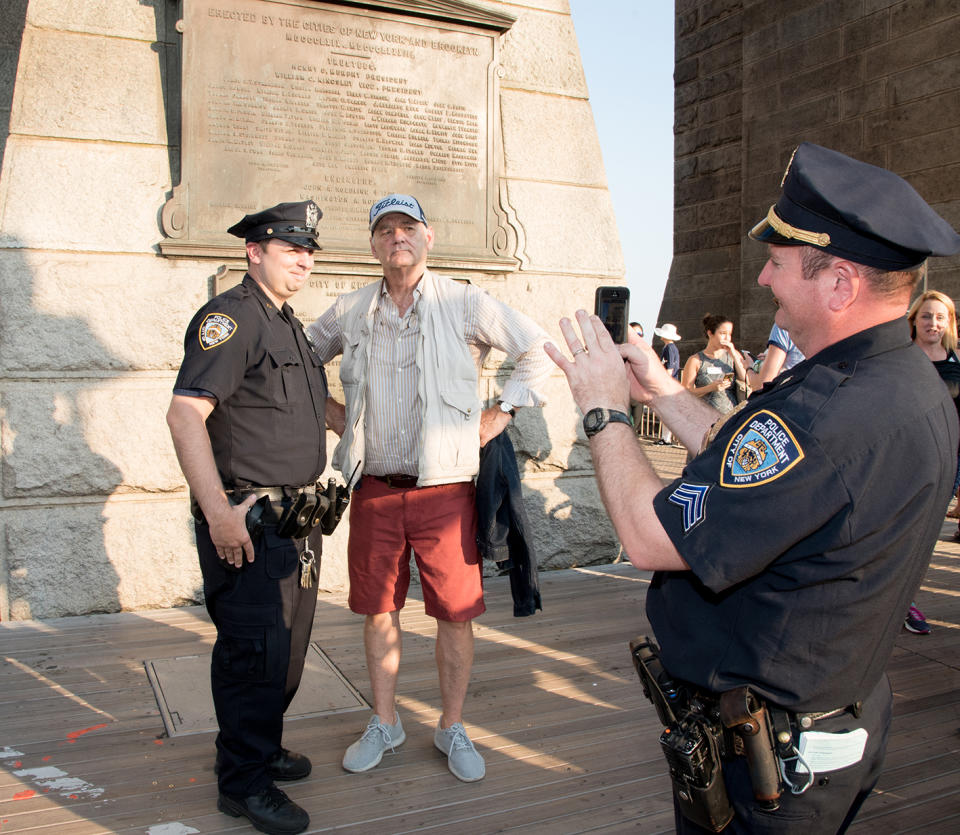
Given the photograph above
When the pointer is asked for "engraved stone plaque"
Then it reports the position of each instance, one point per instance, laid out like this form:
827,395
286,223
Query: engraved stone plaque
296,99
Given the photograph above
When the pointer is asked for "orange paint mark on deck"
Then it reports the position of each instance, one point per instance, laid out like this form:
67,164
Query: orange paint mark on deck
24,795
158,742
73,735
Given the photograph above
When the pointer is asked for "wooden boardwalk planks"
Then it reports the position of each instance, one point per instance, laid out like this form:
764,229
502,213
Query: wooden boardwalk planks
555,708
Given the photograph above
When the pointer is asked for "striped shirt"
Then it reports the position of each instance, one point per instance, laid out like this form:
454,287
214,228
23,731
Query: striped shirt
393,414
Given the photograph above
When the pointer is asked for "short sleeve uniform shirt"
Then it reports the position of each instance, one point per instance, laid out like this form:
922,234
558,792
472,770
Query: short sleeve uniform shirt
808,523
268,426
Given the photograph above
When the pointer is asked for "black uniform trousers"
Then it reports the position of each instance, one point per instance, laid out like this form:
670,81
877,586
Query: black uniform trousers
835,797
263,621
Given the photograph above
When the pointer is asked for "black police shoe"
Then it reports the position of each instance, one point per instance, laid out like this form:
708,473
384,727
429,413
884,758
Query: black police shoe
286,765
270,811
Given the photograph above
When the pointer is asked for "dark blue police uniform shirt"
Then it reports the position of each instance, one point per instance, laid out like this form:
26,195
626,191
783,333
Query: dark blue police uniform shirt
808,523
268,427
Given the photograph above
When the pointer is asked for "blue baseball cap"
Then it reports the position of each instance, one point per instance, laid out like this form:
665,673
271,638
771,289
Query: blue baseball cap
404,203
854,210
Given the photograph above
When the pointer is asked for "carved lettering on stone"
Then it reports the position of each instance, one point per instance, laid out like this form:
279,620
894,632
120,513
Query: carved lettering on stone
299,99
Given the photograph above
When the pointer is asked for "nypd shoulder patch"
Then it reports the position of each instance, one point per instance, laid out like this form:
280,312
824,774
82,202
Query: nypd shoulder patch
692,499
761,450
215,329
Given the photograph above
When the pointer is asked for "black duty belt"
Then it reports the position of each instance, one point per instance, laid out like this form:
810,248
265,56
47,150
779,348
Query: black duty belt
703,729
397,480
275,494
264,512
805,721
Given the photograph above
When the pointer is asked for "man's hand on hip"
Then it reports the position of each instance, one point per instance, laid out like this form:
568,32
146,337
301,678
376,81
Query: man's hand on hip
492,422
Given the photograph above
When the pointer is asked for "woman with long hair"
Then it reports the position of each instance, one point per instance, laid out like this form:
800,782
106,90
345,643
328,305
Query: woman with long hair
715,372
933,329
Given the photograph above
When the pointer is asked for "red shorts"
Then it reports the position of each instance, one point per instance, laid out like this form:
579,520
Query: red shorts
439,524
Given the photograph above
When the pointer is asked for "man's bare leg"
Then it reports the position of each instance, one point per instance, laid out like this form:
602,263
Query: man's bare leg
454,662
382,644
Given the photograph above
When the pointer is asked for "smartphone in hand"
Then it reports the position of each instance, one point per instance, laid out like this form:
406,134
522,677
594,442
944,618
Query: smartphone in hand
612,305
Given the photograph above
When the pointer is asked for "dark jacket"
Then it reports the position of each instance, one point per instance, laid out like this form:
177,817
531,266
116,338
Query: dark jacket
502,527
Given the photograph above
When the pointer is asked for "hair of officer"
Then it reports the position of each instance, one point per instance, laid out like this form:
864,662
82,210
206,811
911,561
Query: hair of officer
262,244
949,339
882,282
712,321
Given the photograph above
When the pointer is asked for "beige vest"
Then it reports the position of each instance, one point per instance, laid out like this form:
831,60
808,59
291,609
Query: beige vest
446,381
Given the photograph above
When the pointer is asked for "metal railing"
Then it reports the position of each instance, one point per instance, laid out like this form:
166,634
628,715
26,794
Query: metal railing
647,423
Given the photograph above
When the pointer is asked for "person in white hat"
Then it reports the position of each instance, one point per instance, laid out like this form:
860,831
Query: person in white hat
670,357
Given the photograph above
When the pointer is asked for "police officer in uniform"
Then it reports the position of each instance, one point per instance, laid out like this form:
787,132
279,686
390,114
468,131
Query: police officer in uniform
788,550
248,424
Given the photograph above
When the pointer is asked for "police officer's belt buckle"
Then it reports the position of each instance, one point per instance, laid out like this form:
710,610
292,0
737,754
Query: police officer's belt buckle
275,494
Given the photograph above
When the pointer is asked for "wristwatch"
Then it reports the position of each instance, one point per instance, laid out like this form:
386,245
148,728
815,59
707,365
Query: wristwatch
597,419
507,408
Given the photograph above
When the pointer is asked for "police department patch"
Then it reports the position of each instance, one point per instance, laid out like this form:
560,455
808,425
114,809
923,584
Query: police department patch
216,329
762,449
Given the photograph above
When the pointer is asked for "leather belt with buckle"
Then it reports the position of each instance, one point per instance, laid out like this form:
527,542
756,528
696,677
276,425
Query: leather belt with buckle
397,480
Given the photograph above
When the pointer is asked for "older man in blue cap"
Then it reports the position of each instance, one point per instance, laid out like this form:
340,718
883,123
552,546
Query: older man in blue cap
772,646
412,427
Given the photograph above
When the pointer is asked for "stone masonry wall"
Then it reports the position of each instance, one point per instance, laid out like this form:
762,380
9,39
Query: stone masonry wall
93,507
876,79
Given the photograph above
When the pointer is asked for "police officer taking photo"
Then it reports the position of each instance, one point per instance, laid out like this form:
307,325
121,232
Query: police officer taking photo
770,670
248,424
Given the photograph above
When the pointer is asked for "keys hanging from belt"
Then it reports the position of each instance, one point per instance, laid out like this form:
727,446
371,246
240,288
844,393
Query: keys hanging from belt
308,567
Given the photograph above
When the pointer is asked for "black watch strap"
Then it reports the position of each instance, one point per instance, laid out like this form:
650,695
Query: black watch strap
597,419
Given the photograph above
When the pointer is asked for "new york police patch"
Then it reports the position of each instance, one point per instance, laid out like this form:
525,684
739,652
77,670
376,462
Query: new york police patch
215,329
762,449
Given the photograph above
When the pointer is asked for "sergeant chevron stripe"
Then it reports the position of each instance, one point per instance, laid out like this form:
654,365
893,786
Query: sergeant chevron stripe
692,498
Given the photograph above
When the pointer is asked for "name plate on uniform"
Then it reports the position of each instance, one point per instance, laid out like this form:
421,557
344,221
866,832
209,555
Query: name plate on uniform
286,100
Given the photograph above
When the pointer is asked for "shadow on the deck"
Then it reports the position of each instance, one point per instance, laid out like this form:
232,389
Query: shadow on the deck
555,708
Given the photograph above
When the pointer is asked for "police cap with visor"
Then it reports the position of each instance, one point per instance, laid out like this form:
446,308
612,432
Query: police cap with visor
295,223
855,211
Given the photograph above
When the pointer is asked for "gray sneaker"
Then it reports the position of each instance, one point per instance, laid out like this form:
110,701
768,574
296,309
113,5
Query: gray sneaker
462,758
367,751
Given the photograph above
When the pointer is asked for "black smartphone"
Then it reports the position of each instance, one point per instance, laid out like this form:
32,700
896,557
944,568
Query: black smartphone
612,305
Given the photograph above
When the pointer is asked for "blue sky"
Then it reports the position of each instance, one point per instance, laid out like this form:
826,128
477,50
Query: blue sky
626,47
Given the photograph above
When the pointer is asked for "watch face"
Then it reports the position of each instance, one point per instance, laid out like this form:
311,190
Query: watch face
594,421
